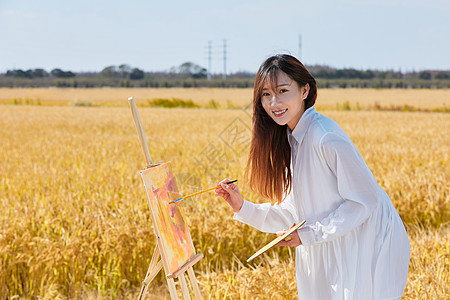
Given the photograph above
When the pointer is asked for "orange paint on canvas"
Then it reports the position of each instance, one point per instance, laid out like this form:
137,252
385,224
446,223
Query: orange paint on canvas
173,231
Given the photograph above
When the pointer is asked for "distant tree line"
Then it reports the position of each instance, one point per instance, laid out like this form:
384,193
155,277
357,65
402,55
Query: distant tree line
190,74
39,73
123,72
324,72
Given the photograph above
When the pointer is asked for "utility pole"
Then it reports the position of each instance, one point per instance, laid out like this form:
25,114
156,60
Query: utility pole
224,59
300,47
209,60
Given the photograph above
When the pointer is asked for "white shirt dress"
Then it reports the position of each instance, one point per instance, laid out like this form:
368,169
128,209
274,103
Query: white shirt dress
354,244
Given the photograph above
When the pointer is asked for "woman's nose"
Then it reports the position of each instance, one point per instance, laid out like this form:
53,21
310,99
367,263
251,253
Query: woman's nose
273,100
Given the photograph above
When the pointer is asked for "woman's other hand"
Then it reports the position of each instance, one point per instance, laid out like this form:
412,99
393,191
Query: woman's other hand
231,194
292,240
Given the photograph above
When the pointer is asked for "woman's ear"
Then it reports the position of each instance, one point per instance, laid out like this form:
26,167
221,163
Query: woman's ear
305,91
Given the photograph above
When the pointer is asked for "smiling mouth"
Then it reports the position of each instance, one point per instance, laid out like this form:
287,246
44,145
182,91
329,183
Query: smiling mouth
279,113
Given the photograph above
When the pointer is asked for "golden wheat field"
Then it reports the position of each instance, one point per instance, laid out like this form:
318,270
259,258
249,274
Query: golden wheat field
236,98
75,223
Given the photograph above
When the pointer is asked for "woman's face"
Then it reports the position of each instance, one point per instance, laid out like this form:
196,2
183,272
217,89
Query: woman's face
285,104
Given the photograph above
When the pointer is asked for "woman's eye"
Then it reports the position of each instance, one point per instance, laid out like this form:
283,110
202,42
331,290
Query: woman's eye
265,94
282,91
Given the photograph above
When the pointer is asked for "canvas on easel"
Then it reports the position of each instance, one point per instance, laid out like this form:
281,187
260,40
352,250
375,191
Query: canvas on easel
173,230
174,245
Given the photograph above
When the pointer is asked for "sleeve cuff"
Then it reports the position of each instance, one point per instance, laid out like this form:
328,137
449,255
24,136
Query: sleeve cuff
306,235
245,212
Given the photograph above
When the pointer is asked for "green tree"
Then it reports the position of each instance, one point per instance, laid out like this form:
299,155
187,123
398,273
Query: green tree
110,72
193,70
425,75
124,70
136,74
442,75
39,73
62,74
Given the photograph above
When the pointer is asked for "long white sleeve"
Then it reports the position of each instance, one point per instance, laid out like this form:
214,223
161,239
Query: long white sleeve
266,217
356,185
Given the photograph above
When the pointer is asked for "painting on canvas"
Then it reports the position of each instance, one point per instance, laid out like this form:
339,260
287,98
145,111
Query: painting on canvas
171,225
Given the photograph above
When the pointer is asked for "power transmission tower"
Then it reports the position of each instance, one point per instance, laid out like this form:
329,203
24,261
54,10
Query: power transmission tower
209,60
300,47
224,59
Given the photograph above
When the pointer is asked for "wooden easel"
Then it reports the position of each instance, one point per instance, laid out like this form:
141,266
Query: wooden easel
155,265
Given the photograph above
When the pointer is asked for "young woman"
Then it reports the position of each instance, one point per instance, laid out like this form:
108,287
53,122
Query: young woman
354,244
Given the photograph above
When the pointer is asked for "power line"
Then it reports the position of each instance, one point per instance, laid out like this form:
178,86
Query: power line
224,59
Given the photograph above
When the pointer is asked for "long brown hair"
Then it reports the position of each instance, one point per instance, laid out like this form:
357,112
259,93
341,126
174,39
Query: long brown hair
270,154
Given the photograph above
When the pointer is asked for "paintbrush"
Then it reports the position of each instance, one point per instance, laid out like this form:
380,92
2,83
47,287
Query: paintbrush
201,192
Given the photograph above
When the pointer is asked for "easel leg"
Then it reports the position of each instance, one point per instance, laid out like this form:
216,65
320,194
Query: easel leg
154,257
184,287
194,284
152,275
172,289
153,269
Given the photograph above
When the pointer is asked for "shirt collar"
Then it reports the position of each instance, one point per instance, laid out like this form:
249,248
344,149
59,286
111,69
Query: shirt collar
302,126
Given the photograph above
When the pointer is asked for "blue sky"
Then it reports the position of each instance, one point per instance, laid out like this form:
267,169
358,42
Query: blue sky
88,35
